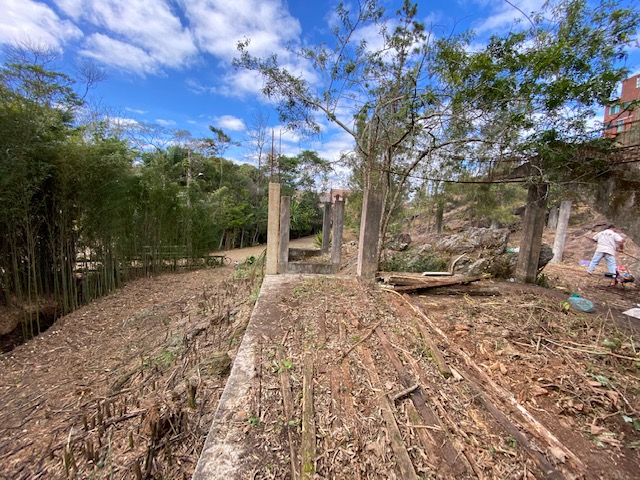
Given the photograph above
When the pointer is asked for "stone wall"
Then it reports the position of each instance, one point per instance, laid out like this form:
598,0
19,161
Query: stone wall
618,199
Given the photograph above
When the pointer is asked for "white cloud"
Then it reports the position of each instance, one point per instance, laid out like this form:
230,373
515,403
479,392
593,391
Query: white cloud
196,87
119,54
149,29
165,123
218,25
239,83
135,110
502,15
26,21
229,122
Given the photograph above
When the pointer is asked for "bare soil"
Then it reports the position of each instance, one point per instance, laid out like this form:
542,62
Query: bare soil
126,387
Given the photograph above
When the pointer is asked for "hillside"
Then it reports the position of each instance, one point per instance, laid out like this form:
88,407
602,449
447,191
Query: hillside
126,387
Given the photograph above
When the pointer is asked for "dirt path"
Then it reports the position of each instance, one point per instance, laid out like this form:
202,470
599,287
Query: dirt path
534,391
241,254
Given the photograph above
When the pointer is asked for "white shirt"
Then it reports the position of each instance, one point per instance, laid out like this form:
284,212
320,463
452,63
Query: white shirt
608,241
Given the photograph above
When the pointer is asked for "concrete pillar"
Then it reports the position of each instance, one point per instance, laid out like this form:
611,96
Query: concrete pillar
285,227
369,231
326,227
336,240
533,227
561,231
273,229
552,223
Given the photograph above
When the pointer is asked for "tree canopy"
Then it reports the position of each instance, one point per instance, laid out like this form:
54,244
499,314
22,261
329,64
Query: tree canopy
85,207
418,100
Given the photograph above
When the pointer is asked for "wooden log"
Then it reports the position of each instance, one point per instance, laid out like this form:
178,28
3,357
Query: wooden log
470,289
441,446
287,400
424,435
413,284
543,464
436,353
542,433
403,461
308,442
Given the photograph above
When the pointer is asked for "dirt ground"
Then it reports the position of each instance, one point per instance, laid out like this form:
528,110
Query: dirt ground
126,387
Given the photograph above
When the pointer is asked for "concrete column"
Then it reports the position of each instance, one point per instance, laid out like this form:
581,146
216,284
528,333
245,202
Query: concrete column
369,231
561,231
533,227
552,223
326,227
285,227
273,229
336,240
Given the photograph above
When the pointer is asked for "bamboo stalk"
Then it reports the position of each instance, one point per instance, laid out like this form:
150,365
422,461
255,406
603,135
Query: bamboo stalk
308,443
403,460
287,400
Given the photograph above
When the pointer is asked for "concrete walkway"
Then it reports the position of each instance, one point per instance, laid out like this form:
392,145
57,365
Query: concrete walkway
224,450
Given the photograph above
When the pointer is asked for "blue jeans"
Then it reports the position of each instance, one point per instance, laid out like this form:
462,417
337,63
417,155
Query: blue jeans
611,262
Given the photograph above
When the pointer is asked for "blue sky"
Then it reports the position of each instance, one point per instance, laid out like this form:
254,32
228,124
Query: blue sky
169,61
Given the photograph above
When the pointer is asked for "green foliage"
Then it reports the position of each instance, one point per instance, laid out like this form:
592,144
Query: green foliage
537,87
410,261
84,211
487,204
306,215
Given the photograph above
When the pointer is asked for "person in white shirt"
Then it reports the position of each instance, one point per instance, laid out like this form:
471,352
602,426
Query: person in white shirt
609,242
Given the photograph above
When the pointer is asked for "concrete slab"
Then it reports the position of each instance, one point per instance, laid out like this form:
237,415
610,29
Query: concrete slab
223,454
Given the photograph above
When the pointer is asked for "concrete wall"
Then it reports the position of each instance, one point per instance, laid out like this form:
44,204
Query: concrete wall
618,199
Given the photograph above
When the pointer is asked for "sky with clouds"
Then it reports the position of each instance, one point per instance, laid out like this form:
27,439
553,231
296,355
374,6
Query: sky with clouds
168,62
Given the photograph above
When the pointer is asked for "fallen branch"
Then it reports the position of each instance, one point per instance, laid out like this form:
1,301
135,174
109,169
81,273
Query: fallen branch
308,441
405,465
441,446
406,283
287,400
363,339
436,353
404,393
593,352
557,449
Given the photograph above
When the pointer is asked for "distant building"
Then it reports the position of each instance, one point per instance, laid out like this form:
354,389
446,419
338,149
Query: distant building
624,114
331,195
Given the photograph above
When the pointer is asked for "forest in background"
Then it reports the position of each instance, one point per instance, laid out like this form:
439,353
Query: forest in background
87,206
90,201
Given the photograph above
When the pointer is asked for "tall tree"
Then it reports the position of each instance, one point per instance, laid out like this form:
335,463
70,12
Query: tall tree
543,82
386,97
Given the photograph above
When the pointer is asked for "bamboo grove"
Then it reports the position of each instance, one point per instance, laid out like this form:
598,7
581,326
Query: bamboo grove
83,211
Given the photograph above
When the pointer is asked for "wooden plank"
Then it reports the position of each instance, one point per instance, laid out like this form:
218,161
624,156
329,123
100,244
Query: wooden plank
308,443
405,465
425,437
287,401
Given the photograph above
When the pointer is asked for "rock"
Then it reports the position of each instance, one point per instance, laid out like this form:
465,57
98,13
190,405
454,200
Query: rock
546,254
486,239
401,243
218,363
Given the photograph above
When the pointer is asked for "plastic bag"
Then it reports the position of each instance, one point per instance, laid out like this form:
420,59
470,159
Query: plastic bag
581,304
